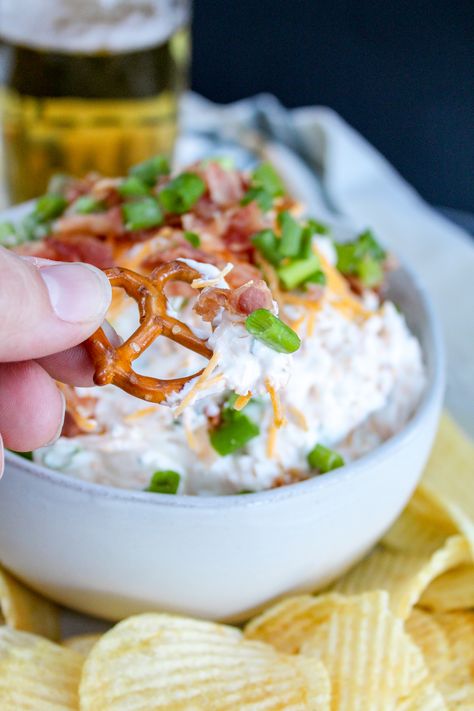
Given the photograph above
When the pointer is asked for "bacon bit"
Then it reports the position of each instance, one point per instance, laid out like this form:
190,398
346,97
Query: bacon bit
79,248
278,417
299,416
242,401
138,414
241,274
243,223
101,224
241,302
181,251
225,186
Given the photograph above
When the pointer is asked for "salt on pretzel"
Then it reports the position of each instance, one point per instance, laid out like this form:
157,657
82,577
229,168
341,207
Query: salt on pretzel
114,364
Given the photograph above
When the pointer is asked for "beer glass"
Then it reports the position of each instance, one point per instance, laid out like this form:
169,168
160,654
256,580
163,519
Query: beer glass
88,85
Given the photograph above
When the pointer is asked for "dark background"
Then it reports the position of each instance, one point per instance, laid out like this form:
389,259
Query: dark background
400,71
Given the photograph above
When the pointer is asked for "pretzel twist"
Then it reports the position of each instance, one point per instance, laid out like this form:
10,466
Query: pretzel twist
114,364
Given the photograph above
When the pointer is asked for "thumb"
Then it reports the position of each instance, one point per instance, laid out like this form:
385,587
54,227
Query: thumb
46,307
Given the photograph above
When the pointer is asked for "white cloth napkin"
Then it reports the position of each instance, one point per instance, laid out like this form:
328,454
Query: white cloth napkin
357,182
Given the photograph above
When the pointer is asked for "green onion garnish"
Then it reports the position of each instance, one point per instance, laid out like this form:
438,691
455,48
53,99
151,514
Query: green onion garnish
8,236
133,187
233,432
264,199
297,271
182,193
142,214
369,271
291,235
86,204
164,482
324,459
192,238
266,185
266,242
317,227
362,257
266,177
224,161
50,206
318,277
32,227
151,169
269,329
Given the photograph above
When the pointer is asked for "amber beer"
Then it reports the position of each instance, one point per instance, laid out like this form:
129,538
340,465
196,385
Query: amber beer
94,85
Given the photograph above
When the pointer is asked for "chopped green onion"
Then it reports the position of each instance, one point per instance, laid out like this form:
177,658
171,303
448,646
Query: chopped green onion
317,227
50,206
245,491
370,272
182,193
233,432
269,329
297,271
261,196
86,204
266,242
291,235
133,187
164,482
192,238
352,255
8,235
318,277
25,455
266,177
151,169
324,459
142,214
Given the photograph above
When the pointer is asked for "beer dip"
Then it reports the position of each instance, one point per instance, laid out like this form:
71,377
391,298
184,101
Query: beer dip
312,366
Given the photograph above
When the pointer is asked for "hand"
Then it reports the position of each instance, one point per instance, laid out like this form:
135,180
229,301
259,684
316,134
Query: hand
46,310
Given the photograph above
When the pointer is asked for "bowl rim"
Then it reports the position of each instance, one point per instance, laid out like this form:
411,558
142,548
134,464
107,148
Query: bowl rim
430,397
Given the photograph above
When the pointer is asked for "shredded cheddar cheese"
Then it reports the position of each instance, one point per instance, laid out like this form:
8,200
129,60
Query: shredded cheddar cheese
242,401
138,414
203,282
299,417
278,417
189,397
271,441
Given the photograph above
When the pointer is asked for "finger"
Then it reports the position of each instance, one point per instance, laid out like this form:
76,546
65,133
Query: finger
74,366
48,307
31,406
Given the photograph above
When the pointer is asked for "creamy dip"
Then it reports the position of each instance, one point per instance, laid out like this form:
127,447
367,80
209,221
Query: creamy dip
350,386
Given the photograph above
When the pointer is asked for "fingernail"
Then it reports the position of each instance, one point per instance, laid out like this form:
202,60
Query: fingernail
60,428
79,293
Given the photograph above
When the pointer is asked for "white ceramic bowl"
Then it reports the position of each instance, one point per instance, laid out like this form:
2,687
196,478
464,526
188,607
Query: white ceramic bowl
112,553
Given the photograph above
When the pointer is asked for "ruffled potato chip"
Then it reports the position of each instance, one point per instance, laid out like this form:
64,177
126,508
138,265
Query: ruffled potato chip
157,661
431,640
452,591
403,576
450,469
422,527
23,609
81,643
36,674
457,684
373,664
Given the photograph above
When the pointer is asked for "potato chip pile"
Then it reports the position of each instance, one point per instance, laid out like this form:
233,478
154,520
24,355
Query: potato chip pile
395,632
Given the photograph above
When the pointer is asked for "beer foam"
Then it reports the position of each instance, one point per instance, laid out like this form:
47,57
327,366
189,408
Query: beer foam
91,26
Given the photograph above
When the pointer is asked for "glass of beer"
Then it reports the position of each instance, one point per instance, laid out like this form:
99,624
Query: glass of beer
88,85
